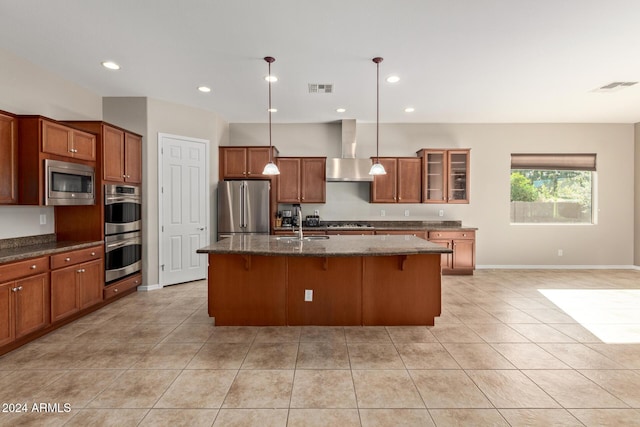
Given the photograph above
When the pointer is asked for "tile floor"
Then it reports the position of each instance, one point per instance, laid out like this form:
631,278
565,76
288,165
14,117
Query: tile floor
501,354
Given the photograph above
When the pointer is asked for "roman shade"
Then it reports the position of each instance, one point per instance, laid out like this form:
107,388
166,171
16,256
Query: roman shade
556,161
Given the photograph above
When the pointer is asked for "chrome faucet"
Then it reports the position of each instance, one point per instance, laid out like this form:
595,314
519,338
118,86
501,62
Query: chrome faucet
300,235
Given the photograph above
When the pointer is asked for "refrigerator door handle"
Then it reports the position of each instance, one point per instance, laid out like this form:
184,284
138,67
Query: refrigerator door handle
245,197
242,201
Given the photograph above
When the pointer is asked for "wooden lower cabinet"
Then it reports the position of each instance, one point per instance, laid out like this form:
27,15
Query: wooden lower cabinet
75,288
24,307
333,303
77,281
463,244
122,286
348,290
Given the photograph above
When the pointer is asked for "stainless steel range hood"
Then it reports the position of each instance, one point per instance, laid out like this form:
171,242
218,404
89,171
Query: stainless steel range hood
348,167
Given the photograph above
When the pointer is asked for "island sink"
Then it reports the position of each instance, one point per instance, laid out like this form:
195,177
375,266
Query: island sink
297,239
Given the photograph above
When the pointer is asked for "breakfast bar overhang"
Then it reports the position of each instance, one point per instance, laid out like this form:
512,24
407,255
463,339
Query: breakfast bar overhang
338,281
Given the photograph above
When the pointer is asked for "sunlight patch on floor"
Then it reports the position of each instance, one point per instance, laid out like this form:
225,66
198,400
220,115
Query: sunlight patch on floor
613,315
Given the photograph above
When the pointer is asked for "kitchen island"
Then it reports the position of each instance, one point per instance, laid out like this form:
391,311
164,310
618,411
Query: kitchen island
324,280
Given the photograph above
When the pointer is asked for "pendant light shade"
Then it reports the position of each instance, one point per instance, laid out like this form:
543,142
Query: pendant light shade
270,168
376,167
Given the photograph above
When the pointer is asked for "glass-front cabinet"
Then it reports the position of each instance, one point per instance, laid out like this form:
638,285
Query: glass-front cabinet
446,175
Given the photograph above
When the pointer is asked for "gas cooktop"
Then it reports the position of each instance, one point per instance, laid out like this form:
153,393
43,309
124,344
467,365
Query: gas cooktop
350,225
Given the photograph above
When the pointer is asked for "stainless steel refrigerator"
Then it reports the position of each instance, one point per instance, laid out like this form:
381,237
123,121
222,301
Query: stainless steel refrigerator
243,208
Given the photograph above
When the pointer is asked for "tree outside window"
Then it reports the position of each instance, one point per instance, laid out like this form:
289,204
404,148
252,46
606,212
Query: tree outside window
551,196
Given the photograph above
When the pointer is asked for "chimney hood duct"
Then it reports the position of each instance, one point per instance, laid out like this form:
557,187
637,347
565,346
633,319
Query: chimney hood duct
347,167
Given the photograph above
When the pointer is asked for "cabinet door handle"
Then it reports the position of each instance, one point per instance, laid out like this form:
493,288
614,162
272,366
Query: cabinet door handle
81,270
124,176
14,289
128,176
93,254
33,267
19,288
67,259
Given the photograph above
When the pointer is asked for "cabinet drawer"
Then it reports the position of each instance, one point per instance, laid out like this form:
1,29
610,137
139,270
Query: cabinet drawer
74,257
452,235
119,287
20,269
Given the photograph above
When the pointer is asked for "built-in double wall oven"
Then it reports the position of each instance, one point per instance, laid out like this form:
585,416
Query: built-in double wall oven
122,225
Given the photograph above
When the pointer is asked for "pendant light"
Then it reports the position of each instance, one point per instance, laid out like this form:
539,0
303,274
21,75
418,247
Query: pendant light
270,168
376,167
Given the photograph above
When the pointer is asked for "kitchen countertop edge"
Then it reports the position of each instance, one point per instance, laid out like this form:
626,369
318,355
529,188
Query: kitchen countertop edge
338,246
34,251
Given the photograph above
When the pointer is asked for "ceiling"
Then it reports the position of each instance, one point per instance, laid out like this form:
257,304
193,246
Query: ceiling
460,61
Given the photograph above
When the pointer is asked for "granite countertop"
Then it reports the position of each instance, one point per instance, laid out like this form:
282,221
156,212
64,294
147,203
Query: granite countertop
31,247
388,225
334,246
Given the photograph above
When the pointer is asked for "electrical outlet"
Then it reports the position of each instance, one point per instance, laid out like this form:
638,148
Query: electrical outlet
560,252
308,294
441,212
406,212
316,212
382,212
43,219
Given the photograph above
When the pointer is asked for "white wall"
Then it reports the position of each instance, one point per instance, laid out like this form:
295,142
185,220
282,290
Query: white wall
637,195
28,89
608,243
166,117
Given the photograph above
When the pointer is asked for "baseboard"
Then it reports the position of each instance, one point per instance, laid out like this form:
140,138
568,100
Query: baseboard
558,267
146,288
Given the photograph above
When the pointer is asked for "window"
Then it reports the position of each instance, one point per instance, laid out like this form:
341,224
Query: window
552,188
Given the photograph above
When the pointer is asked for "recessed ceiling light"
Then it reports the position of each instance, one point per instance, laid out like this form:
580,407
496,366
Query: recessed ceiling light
341,110
110,65
204,89
409,110
271,78
272,110
393,79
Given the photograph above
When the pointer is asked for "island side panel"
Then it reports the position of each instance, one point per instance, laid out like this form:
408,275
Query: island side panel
336,283
247,289
401,290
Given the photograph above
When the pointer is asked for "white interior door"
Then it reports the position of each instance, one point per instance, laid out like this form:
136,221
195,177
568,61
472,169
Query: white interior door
184,208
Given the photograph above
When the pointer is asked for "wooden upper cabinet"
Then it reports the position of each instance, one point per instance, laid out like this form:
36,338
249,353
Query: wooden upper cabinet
401,184
68,142
446,175
121,151
301,180
409,180
383,187
8,159
133,158
122,156
233,162
288,184
244,162
314,180
257,158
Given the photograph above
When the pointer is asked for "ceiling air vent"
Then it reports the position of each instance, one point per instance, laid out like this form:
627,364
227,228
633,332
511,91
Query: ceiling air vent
614,86
320,88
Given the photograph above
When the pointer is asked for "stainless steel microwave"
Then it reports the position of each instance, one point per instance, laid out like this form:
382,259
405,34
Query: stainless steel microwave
68,183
